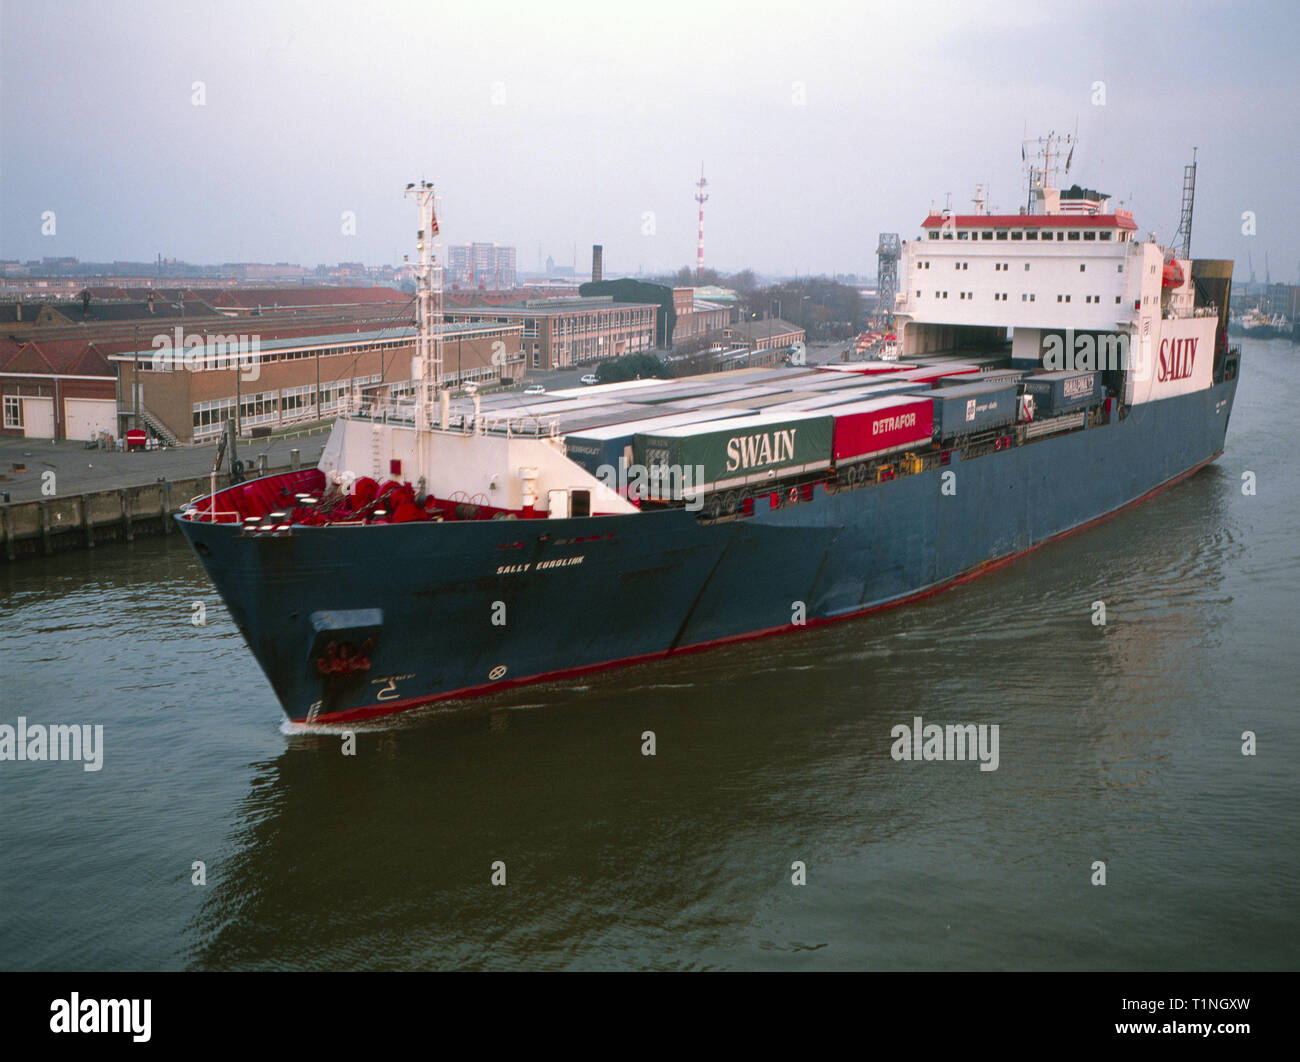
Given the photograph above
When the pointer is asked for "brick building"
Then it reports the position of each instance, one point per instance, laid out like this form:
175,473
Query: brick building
696,318
771,334
56,389
561,332
269,383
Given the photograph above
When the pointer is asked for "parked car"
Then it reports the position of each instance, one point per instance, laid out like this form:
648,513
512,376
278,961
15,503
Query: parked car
534,389
590,378
469,387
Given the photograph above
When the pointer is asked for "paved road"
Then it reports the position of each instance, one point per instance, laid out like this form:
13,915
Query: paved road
80,471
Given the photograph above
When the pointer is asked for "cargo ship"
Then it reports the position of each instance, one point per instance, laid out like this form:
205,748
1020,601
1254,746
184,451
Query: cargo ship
1256,324
1053,368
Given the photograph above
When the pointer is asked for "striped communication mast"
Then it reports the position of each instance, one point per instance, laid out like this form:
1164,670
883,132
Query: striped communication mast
701,197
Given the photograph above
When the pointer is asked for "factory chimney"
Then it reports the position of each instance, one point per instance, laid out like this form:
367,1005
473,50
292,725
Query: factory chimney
597,263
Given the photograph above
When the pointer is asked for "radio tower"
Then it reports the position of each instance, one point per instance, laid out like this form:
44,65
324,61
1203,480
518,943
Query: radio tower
701,197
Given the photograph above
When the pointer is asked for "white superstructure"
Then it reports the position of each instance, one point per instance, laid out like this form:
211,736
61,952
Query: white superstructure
1070,270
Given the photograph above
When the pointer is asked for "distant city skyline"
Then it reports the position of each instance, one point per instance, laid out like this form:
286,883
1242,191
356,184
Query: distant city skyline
245,132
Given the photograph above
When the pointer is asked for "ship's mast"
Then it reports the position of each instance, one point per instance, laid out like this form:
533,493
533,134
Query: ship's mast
1043,177
426,368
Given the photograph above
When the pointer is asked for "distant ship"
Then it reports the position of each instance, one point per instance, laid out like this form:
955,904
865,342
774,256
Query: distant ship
1053,369
1256,324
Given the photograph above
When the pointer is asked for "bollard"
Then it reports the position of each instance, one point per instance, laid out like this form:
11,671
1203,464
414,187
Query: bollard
293,458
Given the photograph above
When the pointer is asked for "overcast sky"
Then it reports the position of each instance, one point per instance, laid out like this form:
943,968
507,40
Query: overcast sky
559,124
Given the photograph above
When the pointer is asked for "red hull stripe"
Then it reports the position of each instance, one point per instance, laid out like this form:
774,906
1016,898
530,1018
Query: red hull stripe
389,707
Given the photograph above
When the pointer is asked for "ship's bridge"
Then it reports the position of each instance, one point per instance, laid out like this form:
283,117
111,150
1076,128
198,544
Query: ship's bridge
981,281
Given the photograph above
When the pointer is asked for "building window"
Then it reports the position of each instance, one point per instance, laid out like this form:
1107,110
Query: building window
933,235
1116,300
986,235
918,293
1103,235
1074,235
13,411
1031,235
1026,267
1067,298
1002,234
1017,235
1119,268
1082,267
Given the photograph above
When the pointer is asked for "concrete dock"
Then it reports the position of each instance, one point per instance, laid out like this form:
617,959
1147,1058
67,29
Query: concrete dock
62,496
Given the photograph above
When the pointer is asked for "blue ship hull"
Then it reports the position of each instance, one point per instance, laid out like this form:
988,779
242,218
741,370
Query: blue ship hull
464,607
